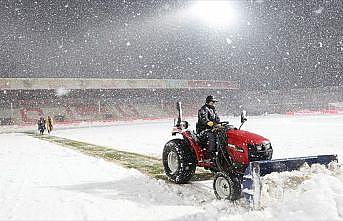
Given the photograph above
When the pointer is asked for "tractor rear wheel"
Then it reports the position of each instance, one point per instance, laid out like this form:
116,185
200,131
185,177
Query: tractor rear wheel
227,187
178,161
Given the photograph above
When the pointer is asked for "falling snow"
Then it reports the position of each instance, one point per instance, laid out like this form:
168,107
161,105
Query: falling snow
229,41
86,39
319,10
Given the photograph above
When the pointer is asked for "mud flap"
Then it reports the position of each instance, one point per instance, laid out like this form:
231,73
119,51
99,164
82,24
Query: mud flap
251,189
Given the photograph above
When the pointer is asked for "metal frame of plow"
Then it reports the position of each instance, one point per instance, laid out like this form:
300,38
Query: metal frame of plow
252,177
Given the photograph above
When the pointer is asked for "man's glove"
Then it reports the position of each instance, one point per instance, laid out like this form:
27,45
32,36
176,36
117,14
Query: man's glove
210,123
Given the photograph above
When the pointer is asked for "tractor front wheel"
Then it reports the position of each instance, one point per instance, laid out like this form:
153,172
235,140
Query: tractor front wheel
227,187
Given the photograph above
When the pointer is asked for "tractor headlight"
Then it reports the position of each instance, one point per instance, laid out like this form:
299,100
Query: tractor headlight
262,151
259,147
267,146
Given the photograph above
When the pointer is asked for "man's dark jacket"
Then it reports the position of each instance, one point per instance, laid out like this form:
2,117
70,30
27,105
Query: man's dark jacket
205,114
41,124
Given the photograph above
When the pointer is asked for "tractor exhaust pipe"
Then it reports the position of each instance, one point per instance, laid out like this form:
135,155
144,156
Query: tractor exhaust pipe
179,109
243,118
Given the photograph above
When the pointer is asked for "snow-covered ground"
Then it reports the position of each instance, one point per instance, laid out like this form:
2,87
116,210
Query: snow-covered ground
40,180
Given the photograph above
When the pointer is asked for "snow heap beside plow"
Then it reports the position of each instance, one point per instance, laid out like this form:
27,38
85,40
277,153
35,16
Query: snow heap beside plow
257,182
277,187
310,192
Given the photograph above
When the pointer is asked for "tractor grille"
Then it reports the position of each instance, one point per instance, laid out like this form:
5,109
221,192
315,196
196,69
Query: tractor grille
259,152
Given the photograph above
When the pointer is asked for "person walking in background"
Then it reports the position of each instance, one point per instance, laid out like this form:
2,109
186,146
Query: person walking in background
49,124
41,125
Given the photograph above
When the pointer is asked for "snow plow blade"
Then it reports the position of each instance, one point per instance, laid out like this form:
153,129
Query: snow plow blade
251,179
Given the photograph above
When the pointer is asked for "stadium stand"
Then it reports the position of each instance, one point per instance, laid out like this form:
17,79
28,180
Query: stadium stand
22,101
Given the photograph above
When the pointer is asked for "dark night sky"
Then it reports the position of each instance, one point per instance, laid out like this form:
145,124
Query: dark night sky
274,44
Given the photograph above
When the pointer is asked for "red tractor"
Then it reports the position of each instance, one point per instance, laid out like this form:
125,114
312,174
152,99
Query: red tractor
235,149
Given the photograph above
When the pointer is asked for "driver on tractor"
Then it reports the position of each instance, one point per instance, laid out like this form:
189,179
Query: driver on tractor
207,118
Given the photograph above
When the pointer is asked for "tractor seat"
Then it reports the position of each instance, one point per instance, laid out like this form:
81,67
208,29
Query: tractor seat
199,139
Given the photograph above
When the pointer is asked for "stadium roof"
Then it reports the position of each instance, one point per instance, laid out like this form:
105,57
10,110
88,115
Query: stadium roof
97,83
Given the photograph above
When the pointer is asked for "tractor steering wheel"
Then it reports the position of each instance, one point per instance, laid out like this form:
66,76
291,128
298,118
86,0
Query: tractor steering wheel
224,123
220,126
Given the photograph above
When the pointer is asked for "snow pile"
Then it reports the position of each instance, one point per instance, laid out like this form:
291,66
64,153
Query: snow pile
311,192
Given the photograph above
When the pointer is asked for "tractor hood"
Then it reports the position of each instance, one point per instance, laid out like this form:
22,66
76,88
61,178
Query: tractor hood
246,137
